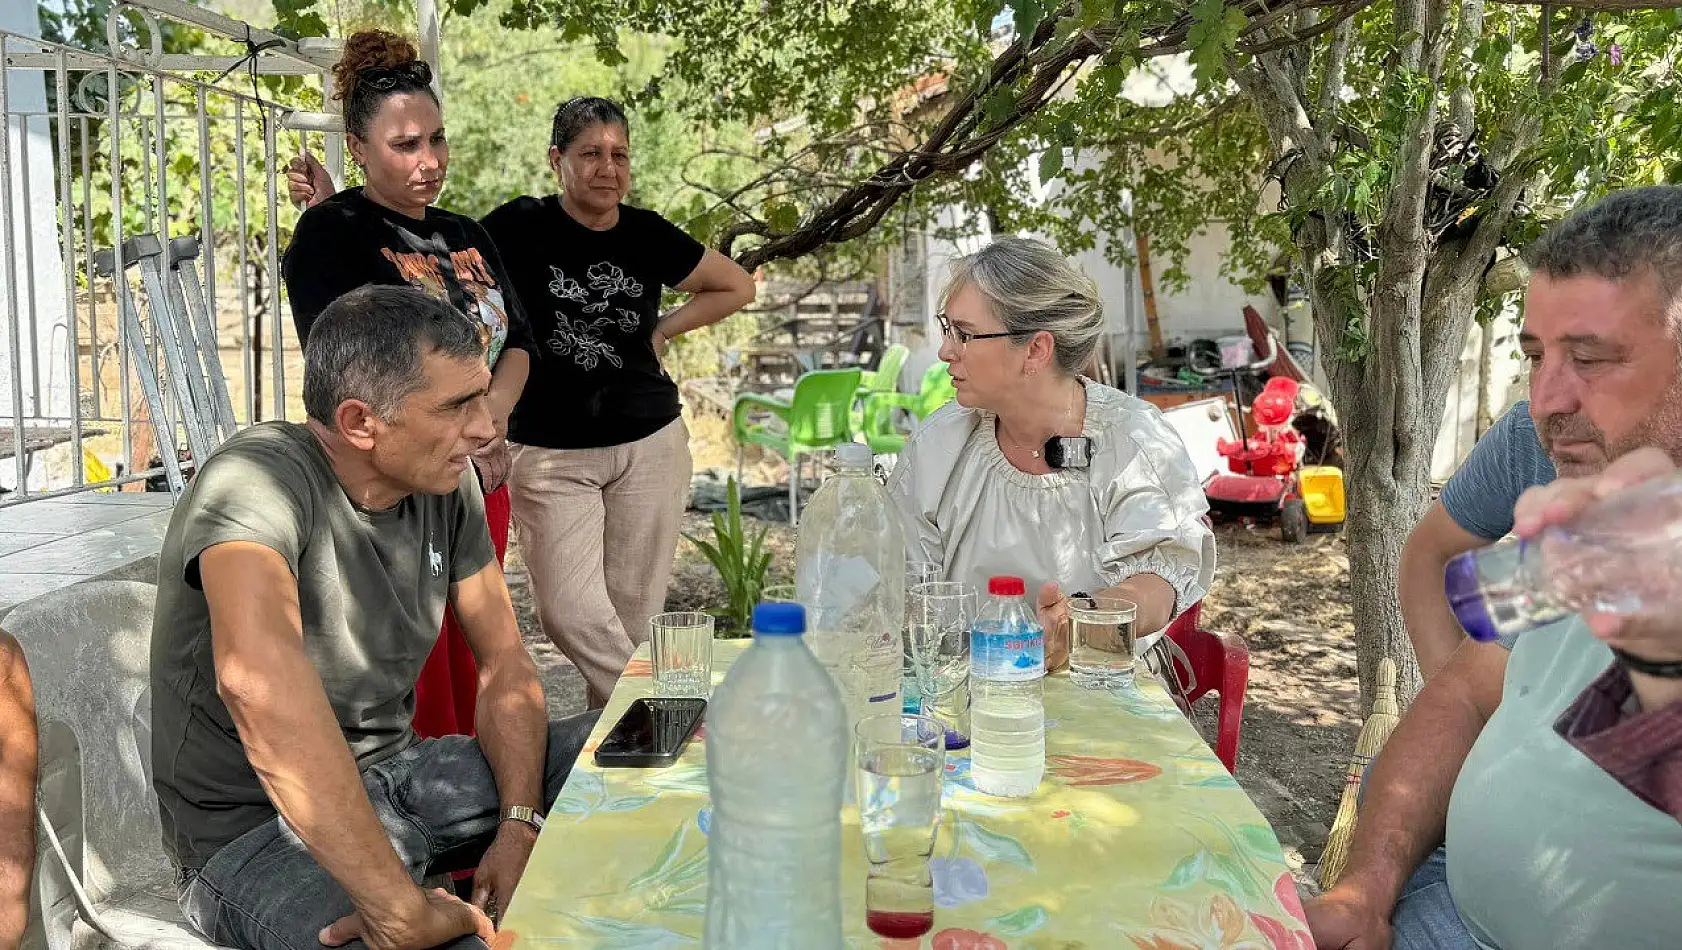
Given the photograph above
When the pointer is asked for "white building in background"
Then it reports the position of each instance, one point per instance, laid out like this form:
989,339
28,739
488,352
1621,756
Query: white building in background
32,278
1209,306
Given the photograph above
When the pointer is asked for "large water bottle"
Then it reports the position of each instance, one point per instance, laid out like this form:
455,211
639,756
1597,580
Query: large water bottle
849,562
1622,555
1007,707
776,764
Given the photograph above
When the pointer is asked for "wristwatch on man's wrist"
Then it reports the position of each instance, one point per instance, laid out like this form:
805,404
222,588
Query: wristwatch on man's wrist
525,814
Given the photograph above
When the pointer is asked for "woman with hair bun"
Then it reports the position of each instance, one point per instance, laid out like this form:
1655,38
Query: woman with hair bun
387,231
1037,472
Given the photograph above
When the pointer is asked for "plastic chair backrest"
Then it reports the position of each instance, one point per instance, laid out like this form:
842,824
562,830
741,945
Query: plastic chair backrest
936,389
1220,663
89,653
819,412
885,378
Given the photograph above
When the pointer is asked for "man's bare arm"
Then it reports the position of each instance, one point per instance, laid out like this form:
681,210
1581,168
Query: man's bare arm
511,719
294,742
512,723
18,754
1406,806
1430,623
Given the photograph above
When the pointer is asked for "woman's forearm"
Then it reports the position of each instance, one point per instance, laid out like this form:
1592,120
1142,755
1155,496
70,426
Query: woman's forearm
508,380
1153,596
704,309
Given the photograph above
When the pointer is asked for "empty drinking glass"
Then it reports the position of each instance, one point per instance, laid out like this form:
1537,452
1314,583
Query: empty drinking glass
682,645
916,572
901,761
941,615
1102,636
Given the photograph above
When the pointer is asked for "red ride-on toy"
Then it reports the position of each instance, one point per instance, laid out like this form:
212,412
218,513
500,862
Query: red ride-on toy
1263,482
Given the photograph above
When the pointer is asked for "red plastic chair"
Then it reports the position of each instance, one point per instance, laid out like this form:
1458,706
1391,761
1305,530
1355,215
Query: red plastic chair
1220,663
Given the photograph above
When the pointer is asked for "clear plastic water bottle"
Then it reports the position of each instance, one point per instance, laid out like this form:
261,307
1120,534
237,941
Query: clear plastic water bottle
776,764
849,562
1622,555
1007,706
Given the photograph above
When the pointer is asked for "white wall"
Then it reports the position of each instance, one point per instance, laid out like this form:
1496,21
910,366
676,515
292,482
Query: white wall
1507,385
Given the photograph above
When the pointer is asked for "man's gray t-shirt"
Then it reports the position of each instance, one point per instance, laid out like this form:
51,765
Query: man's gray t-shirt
1506,461
372,587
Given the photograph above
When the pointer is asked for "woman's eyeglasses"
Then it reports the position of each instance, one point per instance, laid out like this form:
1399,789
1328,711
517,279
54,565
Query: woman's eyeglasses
962,337
387,78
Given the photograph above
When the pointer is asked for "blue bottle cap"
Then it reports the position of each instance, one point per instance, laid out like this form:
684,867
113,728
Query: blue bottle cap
779,620
1467,597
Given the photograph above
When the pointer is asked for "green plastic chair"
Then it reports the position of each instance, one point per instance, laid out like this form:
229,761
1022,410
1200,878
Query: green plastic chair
878,422
816,418
883,379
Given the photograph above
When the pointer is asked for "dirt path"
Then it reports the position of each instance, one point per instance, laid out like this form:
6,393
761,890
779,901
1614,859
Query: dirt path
1290,602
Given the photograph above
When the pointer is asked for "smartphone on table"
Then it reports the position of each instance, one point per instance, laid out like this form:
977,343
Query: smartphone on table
651,733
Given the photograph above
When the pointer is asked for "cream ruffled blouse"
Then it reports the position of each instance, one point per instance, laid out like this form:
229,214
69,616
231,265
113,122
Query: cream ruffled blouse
1137,510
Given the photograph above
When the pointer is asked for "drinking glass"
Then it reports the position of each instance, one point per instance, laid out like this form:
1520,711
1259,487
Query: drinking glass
941,615
901,761
916,572
682,645
1101,635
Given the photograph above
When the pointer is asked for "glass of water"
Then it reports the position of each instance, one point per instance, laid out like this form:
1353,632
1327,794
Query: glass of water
682,644
901,761
1102,635
939,627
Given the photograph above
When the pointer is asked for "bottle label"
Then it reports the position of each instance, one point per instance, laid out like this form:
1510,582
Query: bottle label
1008,655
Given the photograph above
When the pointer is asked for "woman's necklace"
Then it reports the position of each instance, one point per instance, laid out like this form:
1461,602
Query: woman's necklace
1068,411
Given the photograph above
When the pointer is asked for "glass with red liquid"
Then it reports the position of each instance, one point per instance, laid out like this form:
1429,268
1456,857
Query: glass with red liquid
901,762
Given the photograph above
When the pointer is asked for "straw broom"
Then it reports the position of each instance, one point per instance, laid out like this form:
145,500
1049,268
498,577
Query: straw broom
1379,725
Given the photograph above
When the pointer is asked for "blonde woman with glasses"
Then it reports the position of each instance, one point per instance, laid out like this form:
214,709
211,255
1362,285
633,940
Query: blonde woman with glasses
1039,472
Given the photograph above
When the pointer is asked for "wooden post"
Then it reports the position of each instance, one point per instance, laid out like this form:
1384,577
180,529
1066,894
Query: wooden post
1147,290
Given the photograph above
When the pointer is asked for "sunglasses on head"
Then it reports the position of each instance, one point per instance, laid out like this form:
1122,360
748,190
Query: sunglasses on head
387,78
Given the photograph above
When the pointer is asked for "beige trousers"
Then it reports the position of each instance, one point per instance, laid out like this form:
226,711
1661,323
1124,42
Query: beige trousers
598,529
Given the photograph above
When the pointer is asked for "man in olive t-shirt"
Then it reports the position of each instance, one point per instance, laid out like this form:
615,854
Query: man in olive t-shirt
301,588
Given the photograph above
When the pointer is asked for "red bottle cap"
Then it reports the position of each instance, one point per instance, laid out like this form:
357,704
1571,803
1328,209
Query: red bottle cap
1006,586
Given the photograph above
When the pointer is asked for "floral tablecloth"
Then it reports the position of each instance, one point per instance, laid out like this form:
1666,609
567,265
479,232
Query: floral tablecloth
1138,837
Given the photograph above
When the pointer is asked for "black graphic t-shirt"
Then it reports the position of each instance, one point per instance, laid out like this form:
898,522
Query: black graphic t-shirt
348,241
593,298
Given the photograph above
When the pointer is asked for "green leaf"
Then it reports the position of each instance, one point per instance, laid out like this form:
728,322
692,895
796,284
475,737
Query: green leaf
1573,72
782,216
992,845
1027,15
1188,872
1051,164
628,803
1020,922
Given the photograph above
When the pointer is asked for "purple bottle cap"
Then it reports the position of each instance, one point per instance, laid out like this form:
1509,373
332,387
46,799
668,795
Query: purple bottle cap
1467,597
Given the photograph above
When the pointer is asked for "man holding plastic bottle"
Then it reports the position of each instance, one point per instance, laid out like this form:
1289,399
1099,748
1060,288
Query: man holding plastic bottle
1547,846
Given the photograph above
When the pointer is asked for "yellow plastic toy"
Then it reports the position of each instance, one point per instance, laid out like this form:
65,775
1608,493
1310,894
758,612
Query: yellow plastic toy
1322,493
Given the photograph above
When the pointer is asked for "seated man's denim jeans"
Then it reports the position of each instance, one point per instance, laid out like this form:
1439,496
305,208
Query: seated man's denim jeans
1425,918
439,805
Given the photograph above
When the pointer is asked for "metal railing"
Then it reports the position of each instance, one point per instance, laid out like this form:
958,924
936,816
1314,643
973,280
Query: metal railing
98,148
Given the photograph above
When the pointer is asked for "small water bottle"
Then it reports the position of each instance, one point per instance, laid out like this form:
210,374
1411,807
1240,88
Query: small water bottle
1622,555
1007,706
776,763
